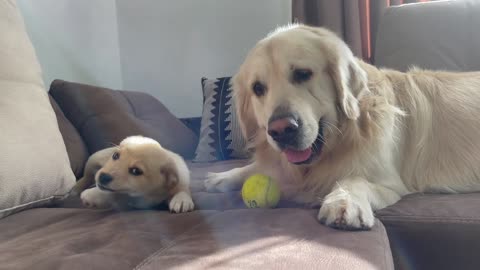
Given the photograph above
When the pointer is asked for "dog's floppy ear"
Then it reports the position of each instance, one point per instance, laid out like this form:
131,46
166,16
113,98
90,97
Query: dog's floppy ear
170,173
243,108
349,80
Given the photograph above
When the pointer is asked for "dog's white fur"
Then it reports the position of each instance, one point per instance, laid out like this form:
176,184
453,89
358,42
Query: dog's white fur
165,177
388,133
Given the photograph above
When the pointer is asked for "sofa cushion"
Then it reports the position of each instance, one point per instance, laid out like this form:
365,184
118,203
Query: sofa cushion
104,117
220,134
433,35
217,200
222,200
235,239
34,166
434,231
281,238
76,148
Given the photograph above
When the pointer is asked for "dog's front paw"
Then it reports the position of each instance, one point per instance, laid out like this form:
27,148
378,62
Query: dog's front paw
94,198
345,213
181,202
222,182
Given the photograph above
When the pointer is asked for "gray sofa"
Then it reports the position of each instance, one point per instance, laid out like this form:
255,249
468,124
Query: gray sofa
422,231
428,231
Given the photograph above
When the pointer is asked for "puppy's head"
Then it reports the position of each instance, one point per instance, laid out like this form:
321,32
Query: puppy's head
294,89
139,166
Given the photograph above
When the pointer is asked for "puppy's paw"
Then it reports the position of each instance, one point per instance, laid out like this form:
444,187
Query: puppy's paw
181,202
95,198
341,211
223,182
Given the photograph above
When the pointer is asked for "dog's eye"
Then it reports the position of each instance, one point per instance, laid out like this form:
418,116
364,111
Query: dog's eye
116,156
135,171
258,88
302,75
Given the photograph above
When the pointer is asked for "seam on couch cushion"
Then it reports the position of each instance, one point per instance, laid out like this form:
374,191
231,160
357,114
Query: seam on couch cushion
32,204
149,259
387,252
429,219
425,216
134,112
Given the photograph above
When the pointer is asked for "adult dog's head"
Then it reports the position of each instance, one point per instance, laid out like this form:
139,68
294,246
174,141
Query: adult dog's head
295,88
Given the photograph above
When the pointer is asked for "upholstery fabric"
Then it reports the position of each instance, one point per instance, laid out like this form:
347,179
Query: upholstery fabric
227,238
76,148
434,231
104,117
440,35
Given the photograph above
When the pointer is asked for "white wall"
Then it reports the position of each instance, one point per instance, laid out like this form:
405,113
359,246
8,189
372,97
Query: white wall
163,47
167,46
75,40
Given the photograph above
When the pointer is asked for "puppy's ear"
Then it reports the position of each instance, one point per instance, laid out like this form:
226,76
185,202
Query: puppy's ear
244,109
170,175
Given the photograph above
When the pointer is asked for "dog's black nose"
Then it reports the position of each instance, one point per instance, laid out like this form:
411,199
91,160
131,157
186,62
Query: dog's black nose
283,130
105,178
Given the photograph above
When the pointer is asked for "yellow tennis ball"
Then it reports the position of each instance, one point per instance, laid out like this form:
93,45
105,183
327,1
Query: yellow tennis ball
260,191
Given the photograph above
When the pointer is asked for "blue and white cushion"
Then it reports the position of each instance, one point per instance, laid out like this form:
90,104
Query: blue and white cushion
220,134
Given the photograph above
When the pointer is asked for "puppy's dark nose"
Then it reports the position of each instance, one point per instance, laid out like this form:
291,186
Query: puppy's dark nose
105,179
283,129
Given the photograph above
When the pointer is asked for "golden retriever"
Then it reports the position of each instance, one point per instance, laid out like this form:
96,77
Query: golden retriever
349,136
140,172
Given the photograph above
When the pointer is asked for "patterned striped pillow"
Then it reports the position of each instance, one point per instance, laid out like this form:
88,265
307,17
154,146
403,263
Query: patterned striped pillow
220,134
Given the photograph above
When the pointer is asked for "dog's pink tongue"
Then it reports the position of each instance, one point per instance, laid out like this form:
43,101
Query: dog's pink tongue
295,156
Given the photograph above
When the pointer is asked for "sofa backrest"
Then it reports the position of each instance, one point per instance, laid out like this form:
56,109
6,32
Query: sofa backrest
434,35
103,117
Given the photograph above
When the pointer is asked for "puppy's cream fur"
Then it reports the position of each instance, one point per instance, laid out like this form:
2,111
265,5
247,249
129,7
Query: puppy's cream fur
164,176
387,133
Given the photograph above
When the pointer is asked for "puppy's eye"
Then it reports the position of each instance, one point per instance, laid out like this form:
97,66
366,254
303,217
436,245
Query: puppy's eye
116,156
301,75
135,171
258,88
